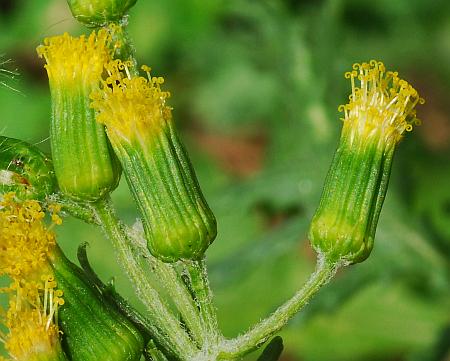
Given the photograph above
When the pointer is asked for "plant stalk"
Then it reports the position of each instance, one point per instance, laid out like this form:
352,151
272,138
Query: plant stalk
180,297
169,332
203,298
260,333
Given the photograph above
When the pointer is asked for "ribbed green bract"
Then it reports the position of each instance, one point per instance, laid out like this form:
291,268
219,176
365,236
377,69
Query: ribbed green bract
25,170
178,222
343,227
92,329
96,13
85,165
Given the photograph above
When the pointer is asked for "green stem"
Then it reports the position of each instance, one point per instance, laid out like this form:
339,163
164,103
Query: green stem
180,297
170,280
153,354
203,298
259,334
125,51
168,332
75,209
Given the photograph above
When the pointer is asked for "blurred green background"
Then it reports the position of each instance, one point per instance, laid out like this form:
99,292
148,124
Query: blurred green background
256,85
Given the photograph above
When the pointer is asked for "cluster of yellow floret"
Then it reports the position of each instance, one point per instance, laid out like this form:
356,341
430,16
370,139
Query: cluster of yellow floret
130,105
26,243
126,103
381,104
77,61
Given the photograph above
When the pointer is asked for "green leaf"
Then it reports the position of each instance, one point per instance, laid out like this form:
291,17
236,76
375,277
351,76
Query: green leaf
273,350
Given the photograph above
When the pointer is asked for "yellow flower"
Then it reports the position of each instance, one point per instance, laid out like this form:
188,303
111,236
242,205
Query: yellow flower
381,104
25,240
85,167
131,106
176,218
74,60
26,244
380,110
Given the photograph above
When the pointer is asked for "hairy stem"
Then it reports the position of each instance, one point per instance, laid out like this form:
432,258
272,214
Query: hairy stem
260,333
203,298
172,282
75,209
180,297
168,331
153,354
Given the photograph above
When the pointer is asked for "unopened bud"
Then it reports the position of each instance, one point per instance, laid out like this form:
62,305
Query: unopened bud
25,170
96,13
93,329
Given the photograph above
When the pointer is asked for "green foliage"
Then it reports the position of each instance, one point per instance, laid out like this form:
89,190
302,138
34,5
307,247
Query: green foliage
273,350
255,88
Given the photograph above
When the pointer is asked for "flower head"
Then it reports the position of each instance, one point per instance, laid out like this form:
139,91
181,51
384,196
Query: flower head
74,60
131,106
85,167
177,220
380,105
25,240
380,110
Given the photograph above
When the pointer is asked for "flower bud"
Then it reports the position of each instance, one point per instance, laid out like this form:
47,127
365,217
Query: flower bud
177,220
97,13
85,165
93,329
380,110
25,170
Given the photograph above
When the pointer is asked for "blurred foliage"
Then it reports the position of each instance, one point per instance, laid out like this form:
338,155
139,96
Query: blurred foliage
256,86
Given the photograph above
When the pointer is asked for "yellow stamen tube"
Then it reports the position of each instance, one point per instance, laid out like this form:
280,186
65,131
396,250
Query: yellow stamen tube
33,334
85,165
380,110
177,220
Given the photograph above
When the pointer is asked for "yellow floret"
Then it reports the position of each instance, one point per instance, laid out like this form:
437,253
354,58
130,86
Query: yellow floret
130,106
32,319
381,104
76,60
25,245
25,240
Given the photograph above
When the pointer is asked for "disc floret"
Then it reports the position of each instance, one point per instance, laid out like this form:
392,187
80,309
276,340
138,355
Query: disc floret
380,105
74,60
131,106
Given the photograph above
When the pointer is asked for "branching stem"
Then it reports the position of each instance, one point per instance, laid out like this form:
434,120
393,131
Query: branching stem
168,331
203,297
260,333
180,297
